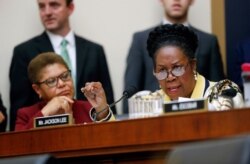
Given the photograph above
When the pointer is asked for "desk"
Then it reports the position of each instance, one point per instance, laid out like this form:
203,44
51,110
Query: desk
129,141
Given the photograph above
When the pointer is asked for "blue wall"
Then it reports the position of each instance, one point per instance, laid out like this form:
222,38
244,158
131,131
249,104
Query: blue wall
237,13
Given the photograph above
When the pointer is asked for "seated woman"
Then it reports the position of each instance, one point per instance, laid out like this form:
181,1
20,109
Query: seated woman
51,80
172,48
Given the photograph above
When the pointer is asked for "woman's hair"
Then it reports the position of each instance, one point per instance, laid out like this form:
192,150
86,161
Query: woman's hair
172,35
40,62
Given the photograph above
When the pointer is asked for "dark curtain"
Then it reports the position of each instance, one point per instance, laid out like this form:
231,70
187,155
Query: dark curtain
237,13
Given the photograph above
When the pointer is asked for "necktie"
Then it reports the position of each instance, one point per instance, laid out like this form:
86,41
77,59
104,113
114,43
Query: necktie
65,54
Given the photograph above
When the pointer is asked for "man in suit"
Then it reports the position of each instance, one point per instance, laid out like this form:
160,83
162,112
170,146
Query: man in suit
139,70
87,59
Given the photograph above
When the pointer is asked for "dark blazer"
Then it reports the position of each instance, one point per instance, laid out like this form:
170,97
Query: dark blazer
91,66
139,70
242,56
26,115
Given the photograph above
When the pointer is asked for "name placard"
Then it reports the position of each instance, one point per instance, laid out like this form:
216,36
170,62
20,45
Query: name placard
184,106
55,120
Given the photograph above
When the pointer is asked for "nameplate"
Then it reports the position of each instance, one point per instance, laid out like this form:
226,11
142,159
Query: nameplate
55,120
192,105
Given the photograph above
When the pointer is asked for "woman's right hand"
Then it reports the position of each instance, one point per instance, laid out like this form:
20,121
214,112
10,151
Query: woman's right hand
95,94
58,105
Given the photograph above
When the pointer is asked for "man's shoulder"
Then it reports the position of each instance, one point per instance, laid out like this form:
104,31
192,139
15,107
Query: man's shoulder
81,40
202,33
142,35
31,41
145,31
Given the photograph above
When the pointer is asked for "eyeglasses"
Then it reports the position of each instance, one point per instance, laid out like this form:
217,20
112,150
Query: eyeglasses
52,82
176,71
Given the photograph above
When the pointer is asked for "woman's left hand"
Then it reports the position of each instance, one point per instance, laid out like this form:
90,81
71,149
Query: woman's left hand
95,94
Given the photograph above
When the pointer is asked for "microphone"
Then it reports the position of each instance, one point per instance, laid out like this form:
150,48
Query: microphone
226,98
229,92
127,93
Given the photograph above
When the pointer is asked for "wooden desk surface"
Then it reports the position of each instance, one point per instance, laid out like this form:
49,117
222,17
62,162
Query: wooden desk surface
155,134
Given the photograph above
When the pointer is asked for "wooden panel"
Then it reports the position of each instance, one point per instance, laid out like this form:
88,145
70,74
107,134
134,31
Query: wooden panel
146,140
218,27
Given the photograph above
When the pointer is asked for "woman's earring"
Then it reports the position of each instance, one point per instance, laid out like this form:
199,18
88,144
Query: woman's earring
195,75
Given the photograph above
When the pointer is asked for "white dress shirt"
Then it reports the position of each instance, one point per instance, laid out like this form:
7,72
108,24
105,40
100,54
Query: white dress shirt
71,47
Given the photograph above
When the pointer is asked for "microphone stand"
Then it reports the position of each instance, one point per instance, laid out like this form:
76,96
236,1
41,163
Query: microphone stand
113,104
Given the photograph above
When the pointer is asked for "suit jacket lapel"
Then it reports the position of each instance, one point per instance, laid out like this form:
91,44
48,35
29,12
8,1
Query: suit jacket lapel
44,44
197,33
81,56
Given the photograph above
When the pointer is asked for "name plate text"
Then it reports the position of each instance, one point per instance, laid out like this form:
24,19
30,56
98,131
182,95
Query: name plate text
192,105
62,119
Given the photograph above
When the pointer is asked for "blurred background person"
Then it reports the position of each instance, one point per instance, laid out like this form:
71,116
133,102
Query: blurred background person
172,48
51,79
86,59
139,65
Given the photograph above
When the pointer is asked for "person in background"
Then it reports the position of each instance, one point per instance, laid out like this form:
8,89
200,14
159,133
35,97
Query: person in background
3,116
172,48
139,65
241,56
85,58
52,81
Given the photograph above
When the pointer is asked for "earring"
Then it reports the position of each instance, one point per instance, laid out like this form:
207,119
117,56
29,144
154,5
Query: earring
195,75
